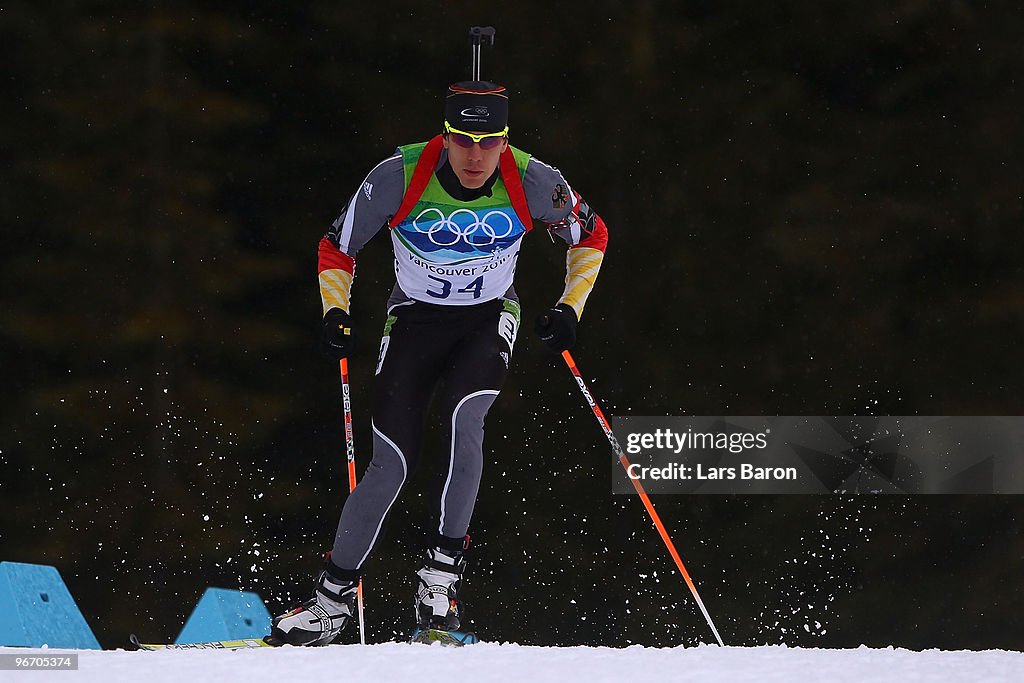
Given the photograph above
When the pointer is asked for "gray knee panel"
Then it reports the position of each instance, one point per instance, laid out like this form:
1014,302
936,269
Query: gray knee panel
465,462
368,505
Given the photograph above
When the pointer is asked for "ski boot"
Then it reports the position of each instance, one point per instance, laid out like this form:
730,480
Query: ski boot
437,601
319,620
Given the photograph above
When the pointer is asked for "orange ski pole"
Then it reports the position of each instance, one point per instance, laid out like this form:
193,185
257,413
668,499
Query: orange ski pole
639,489
350,452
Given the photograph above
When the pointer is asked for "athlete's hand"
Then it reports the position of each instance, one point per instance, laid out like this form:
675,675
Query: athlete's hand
556,327
336,340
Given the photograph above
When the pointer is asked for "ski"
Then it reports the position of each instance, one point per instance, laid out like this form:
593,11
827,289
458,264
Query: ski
423,636
243,644
429,636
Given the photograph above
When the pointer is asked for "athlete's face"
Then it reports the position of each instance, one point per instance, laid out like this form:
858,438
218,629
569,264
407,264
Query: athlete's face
473,165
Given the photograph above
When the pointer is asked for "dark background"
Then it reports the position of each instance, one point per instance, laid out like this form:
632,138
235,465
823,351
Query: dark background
813,210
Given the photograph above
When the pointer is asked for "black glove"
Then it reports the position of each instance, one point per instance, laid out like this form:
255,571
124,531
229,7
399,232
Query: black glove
336,340
557,327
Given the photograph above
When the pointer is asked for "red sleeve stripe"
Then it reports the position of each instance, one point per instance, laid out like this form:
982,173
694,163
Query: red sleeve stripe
329,257
597,239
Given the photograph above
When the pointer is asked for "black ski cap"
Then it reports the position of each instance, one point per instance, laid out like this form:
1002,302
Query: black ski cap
477,107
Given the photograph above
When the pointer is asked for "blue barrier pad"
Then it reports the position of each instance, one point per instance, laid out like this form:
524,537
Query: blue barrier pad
37,609
223,614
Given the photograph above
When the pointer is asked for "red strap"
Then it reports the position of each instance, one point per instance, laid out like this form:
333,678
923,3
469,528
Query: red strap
420,178
426,164
514,187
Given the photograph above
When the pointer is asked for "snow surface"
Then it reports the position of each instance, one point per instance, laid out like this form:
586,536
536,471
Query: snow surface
507,662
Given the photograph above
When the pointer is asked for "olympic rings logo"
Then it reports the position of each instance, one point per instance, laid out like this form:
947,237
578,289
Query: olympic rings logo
445,232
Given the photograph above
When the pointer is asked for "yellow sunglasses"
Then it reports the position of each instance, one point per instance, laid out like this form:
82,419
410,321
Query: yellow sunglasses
467,140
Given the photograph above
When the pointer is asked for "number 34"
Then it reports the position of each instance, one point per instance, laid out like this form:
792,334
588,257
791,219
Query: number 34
473,287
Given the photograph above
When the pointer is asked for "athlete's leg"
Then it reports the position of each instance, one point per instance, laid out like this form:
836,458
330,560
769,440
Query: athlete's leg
476,372
410,363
